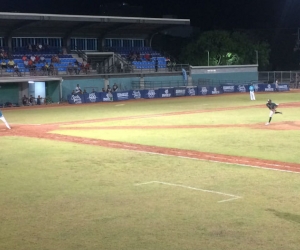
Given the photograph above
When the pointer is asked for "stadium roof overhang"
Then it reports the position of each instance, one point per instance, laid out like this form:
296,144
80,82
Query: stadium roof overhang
52,25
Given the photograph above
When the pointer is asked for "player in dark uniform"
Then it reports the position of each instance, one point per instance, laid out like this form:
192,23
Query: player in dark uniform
272,107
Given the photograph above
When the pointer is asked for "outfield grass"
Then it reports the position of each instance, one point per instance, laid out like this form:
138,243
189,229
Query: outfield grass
69,196
59,195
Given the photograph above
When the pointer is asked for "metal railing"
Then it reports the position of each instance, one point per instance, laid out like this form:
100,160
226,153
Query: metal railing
290,77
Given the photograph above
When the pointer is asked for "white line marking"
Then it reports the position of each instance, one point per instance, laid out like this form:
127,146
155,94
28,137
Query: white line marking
234,197
119,105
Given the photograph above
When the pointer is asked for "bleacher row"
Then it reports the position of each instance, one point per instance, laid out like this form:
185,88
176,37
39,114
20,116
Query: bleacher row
62,66
143,63
150,64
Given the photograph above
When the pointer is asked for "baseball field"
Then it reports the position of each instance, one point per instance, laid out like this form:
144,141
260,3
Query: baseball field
181,173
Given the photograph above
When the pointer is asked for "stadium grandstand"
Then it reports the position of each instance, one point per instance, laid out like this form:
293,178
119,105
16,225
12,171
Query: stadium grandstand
80,44
47,55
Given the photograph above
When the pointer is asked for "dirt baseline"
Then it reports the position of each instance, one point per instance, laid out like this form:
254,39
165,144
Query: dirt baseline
42,131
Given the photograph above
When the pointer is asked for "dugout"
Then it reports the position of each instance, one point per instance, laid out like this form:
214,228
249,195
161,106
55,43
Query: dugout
12,90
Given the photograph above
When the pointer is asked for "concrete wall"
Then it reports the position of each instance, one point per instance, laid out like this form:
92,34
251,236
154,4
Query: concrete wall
223,73
9,92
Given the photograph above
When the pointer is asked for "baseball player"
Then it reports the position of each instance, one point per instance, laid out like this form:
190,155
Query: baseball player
3,119
252,95
272,107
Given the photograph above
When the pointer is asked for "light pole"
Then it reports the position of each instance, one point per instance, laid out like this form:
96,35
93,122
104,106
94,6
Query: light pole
256,57
207,57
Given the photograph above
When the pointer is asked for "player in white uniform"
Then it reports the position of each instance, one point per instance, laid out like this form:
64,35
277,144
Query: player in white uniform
2,118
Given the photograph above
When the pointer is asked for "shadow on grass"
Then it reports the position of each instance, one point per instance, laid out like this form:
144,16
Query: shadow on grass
285,216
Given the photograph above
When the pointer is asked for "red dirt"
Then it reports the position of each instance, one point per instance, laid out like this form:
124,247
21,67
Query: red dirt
42,131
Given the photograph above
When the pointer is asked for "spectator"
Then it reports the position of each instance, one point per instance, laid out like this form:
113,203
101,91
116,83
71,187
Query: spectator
78,89
30,63
29,47
169,65
55,59
26,64
76,68
45,68
32,67
38,47
115,87
31,100
85,66
121,67
37,59
70,68
5,56
156,64
108,89
147,57
93,91
39,100
276,85
174,66
24,58
103,90
84,91
51,69
16,70
64,51
25,100
32,58
11,63
3,64
1,54
42,59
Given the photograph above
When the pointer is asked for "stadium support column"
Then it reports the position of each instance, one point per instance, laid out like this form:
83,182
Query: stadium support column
106,82
142,82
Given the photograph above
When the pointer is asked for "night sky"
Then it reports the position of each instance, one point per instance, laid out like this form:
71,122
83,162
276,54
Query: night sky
206,14
279,19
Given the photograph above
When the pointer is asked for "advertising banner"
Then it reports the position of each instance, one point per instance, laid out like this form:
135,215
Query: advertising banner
149,93
92,97
215,90
269,87
76,99
180,91
135,94
106,97
228,88
121,96
241,88
283,87
191,91
165,93
204,90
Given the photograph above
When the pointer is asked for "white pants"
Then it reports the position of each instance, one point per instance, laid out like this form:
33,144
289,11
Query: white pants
5,122
271,113
252,96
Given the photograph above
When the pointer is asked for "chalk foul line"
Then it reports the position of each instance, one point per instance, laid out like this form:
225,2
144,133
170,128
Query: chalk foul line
233,197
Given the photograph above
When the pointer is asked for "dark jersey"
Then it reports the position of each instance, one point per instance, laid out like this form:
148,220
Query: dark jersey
271,105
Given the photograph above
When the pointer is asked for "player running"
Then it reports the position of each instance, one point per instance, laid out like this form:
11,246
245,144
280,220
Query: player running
3,119
272,107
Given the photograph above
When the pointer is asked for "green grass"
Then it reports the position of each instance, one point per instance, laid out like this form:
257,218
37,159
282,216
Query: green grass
58,195
83,197
264,144
53,114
